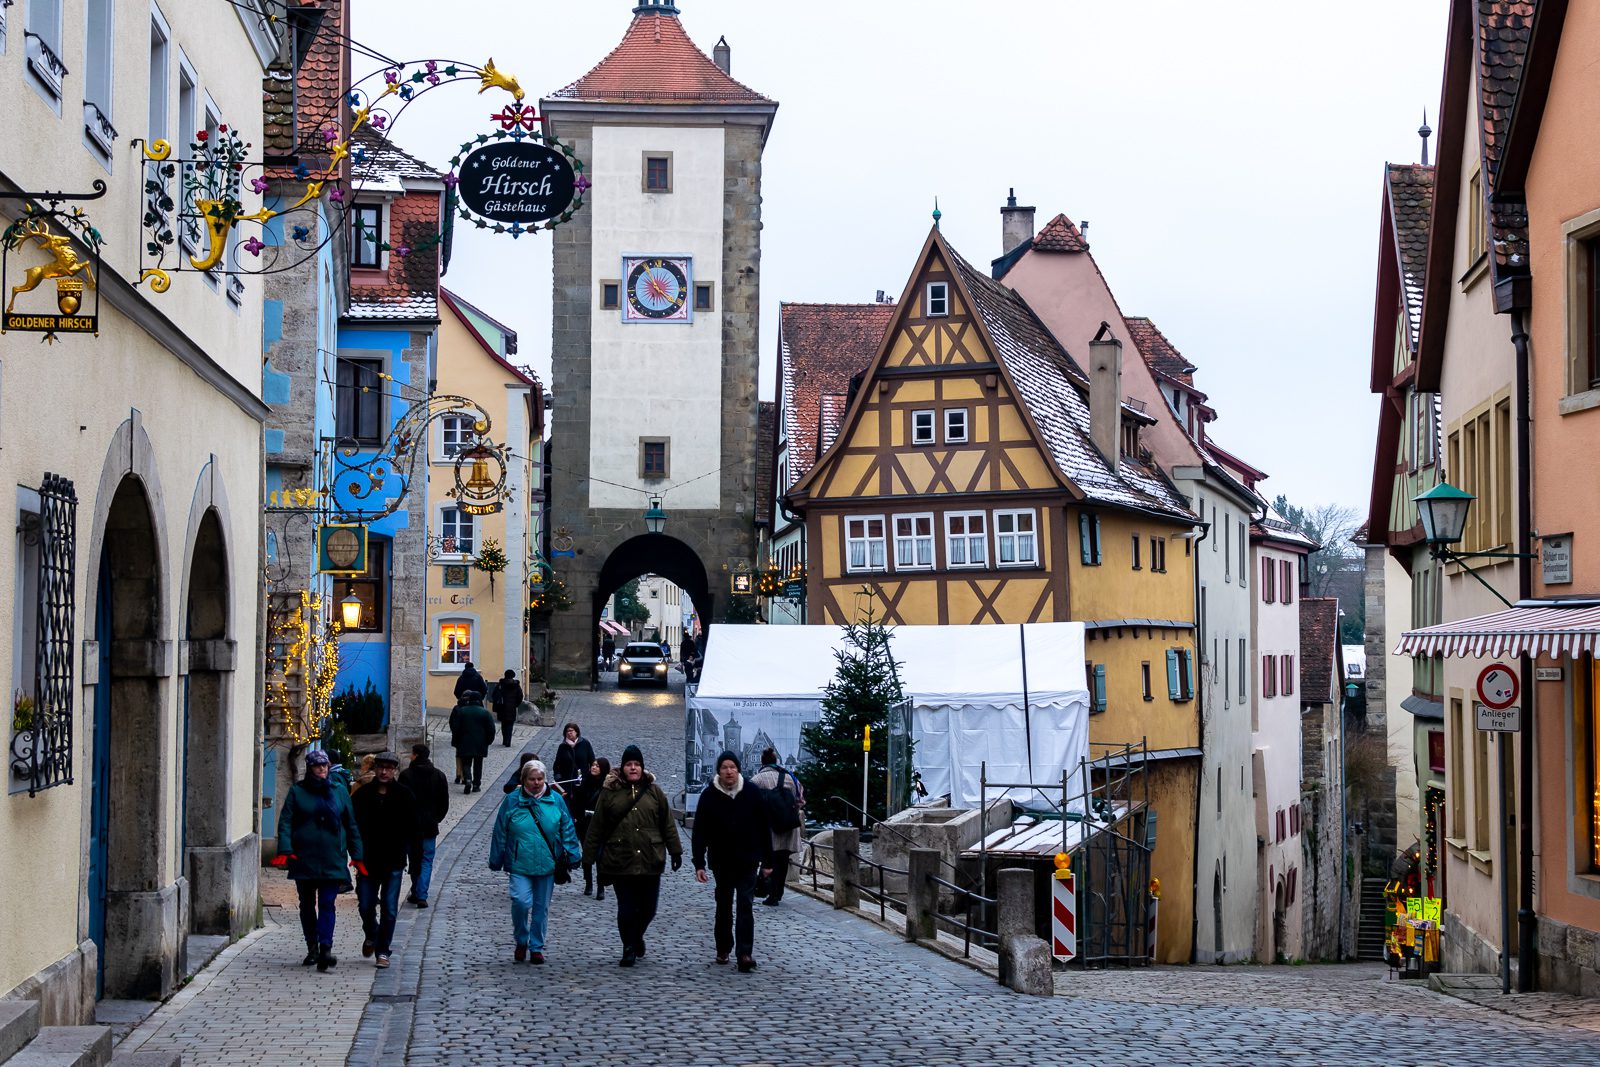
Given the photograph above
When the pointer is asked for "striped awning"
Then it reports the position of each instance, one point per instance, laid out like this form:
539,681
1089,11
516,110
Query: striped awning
1530,631
613,627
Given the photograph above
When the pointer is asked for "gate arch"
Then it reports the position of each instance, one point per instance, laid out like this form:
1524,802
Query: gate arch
660,554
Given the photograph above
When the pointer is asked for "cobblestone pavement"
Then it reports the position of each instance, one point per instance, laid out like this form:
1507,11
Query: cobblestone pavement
833,990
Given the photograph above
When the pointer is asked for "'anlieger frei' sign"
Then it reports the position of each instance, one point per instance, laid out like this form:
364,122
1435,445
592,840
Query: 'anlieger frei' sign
516,182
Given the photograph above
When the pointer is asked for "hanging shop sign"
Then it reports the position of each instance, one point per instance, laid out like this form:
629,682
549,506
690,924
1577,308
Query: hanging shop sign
517,180
59,234
1555,559
342,548
742,584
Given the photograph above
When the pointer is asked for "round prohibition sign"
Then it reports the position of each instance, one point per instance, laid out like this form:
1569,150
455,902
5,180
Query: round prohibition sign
1498,687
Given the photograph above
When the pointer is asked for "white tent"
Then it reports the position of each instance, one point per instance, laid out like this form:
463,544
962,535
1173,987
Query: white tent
1012,697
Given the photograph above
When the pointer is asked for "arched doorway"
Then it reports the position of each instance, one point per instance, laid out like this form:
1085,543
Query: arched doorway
133,906
206,741
1216,913
648,554
1279,923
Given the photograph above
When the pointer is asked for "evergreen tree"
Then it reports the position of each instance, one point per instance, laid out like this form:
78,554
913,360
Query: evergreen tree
629,610
864,688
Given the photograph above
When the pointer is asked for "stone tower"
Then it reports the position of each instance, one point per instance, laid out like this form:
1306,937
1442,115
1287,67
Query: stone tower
655,314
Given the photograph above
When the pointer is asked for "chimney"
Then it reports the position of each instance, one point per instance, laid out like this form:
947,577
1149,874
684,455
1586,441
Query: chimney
722,55
1105,394
1016,223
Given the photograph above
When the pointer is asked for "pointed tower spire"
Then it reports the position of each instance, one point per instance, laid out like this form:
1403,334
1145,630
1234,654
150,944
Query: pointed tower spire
937,214
1424,131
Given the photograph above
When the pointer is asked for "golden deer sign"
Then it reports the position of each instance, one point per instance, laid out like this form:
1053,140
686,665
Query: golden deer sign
66,265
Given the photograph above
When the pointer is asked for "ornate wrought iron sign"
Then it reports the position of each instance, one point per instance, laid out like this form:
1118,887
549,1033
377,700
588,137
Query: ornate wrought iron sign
342,548
518,183
57,233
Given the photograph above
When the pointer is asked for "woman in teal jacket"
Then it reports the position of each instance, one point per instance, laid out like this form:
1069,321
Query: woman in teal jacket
533,838
316,831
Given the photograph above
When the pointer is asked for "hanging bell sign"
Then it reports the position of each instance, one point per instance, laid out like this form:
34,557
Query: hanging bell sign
483,488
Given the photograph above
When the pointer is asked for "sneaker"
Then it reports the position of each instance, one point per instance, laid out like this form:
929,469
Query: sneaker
536,957
746,964
368,948
521,954
771,902
628,957
383,959
722,957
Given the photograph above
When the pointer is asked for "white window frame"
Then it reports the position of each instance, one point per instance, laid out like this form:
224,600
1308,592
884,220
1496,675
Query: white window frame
99,77
950,436
937,293
958,546
451,519
190,114
158,115
931,436
473,629
442,440
913,540
1016,536
866,541
39,22
382,204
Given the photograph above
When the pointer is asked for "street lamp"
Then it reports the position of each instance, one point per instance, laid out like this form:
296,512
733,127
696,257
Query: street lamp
350,611
655,520
1443,511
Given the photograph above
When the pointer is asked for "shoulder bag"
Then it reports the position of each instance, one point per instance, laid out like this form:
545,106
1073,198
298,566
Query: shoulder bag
563,868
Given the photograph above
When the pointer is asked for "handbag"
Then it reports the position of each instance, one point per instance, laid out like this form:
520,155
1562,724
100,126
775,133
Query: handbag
563,868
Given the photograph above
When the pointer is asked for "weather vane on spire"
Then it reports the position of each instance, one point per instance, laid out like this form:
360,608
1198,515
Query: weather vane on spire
937,214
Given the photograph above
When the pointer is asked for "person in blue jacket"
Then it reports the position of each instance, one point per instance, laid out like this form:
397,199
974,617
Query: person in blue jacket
316,831
535,843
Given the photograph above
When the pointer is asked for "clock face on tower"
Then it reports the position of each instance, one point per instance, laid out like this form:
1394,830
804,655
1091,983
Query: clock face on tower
658,289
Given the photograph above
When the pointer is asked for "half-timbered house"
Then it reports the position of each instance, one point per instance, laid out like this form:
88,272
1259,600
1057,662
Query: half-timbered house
981,475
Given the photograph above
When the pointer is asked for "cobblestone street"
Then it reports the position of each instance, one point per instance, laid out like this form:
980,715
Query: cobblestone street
830,989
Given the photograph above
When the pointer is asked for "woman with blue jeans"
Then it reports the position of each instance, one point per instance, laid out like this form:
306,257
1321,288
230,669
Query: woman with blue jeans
316,832
533,835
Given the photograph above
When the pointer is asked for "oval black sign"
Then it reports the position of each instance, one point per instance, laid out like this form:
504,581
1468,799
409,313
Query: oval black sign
516,182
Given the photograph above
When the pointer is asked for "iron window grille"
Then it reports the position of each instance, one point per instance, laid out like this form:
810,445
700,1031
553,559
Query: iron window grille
42,754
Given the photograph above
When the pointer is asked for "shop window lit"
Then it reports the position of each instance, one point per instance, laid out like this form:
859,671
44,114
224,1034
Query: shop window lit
455,641
368,589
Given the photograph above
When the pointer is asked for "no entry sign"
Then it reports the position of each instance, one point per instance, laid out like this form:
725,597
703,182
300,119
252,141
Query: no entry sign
1498,687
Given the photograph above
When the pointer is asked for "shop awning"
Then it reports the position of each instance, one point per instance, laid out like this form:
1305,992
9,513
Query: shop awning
1524,631
614,628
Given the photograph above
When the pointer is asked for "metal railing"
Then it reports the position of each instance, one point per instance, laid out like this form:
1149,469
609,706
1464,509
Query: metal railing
881,894
968,929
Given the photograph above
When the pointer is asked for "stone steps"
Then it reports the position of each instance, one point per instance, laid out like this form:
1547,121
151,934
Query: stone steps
24,1043
19,1024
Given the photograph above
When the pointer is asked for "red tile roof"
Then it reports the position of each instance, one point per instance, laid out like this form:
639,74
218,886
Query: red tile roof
1319,638
657,63
1060,235
1410,189
1503,30
821,346
1160,355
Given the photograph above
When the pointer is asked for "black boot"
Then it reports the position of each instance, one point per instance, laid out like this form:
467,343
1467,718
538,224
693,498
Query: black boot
326,960
313,950
600,892
588,880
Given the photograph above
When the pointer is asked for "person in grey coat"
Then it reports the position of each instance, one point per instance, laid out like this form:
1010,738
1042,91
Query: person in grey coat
784,842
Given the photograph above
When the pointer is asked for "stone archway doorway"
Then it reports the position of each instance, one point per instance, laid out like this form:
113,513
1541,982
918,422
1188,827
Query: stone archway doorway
648,554
133,907
206,739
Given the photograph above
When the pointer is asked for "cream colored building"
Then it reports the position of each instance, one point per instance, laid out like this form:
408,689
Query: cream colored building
470,617
139,827
664,601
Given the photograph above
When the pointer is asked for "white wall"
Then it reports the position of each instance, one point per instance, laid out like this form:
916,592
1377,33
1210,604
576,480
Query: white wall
656,379
1276,738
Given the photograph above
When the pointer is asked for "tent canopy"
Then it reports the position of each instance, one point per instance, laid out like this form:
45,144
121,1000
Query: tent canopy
1011,698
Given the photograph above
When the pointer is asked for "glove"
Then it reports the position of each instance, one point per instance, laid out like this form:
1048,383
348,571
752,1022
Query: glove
282,859
677,862
361,868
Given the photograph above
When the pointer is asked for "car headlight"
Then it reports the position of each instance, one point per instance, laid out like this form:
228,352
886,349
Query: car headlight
661,667
624,666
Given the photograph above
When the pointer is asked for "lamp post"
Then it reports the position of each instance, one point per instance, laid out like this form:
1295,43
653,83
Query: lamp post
655,519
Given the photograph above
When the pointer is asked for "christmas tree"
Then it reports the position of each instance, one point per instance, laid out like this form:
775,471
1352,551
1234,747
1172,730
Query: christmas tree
864,688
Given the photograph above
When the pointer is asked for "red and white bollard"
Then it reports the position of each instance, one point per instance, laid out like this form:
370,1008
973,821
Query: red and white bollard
1063,911
1155,909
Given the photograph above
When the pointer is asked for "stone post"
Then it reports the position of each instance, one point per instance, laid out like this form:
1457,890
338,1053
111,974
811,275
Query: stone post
1013,911
922,894
847,868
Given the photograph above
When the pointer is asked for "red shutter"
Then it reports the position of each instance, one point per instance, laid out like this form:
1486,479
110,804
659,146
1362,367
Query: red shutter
1288,582
1266,580
1269,677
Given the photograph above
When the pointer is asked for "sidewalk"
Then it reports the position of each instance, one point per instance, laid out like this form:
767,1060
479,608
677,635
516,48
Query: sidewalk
1484,991
255,1004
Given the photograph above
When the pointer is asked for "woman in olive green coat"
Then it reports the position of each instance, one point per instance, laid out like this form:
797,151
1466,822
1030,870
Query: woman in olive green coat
630,836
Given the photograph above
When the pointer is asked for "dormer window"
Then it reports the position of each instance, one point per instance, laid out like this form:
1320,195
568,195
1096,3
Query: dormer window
938,302
1130,439
366,228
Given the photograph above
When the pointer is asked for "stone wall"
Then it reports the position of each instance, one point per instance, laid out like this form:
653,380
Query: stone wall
408,583
1379,818
1569,959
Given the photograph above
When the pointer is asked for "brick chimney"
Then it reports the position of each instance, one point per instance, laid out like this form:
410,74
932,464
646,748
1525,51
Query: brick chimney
722,55
1016,224
1105,393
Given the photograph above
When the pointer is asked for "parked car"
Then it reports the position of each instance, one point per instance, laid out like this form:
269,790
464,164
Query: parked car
642,663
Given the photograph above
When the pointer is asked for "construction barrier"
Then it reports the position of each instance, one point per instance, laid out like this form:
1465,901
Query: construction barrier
1064,916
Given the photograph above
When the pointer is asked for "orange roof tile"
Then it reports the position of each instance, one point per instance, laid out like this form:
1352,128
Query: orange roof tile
1060,235
657,63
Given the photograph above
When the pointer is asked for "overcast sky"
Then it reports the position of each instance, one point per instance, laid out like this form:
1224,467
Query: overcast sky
1228,156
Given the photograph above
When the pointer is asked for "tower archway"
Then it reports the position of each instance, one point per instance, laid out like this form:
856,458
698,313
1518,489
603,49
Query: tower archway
660,554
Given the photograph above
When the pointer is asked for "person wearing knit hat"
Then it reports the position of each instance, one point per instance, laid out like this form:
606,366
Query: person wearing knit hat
733,837
316,832
630,836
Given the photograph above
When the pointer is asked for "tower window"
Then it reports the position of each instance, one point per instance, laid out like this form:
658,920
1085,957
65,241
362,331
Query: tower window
938,302
653,457
610,296
658,172
702,296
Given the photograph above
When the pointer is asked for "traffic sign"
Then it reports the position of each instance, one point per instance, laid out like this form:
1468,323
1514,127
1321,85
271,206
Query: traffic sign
1498,686
1499,720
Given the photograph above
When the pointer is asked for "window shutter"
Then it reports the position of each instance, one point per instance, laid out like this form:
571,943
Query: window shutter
1186,658
1269,677
1099,687
1083,538
1288,582
1288,676
1172,673
1097,539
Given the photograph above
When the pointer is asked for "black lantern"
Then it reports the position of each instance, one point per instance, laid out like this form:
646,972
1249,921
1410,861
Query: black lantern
655,520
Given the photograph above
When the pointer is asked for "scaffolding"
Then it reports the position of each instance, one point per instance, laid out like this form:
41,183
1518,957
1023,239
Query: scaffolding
1108,831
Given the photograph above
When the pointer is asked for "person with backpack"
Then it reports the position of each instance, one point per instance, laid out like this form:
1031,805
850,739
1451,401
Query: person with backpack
733,836
471,734
786,801
505,699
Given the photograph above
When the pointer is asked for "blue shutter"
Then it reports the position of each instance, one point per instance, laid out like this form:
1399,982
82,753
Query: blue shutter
1172,673
1083,538
1188,673
1097,539
1099,687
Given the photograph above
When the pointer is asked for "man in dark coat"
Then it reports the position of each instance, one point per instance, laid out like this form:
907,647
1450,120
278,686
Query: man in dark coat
386,814
506,698
608,650
470,682
630,836
432,795
732,834
471,734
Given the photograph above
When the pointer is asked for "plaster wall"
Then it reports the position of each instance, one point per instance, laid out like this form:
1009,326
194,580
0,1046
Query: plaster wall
1564,205
680,362
1276,740
1401,724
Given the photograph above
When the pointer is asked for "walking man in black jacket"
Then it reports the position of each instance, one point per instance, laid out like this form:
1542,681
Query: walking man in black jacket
731,831
386,815
432,795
